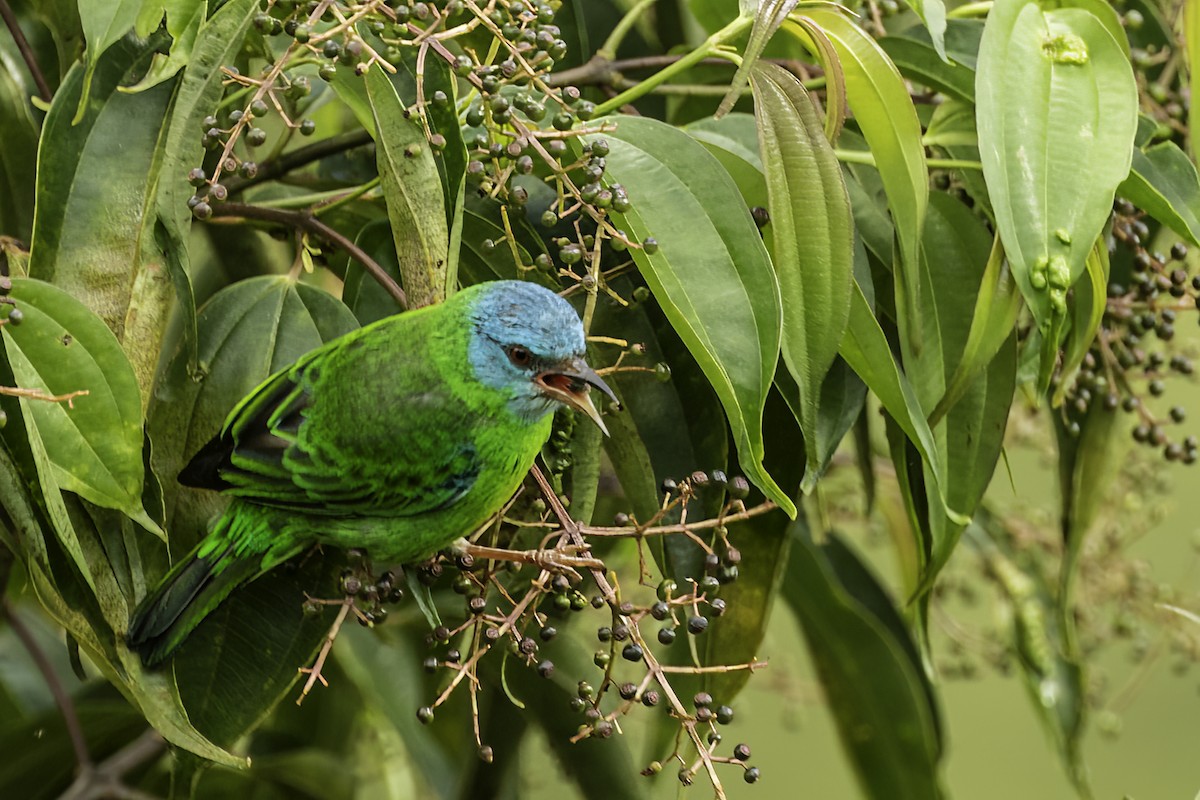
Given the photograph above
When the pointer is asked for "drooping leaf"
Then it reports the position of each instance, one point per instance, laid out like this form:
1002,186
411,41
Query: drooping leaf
413,190
884,112
870,670
1059,78
1163,181
933,14
769,15
95,441
710,273
812,232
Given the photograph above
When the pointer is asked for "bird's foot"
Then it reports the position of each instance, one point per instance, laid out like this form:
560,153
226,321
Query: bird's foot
568,559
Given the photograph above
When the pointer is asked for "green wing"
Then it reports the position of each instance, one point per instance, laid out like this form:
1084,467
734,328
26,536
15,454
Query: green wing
349,430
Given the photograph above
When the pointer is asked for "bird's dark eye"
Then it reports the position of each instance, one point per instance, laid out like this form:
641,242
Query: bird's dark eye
519,356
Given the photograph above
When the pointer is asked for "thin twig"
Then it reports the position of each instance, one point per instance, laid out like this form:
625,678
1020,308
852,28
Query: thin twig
38,394
314,672
306,221
62,698
10,19
301,157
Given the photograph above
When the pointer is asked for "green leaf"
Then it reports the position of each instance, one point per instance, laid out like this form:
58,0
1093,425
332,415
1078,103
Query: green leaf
868,353
970,437
1191,39
103,25
870,670
812,231
18,158
769,15
711,273
361,292
93,235
1163,181
94,442
413,190
733,140
672,428
184,20
198,94
884,112
933,14
996,308
1060,79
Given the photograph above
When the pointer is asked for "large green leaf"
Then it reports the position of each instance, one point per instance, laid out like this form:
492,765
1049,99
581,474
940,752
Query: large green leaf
93,234
884,112
710,273
812,232
1059,79
733,140
870,670
413,190
1163,181
95,441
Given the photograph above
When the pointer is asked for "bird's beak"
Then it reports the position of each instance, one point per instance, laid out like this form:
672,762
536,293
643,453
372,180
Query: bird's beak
568,383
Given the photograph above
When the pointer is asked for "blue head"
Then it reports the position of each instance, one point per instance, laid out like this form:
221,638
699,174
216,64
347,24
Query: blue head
528,343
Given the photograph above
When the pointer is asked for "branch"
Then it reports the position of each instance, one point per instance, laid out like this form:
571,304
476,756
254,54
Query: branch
303,156
304,220
105,780
10,19
38,394
61,698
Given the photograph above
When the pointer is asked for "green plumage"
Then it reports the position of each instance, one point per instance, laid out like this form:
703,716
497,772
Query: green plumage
397,438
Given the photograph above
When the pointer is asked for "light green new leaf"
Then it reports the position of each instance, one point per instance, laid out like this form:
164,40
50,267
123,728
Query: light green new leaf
1163,181
813,234
884,112
1058,79
103,24
413,190
711,273
95,441
769,15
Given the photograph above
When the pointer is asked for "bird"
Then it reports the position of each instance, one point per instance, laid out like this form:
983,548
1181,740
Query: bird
397,439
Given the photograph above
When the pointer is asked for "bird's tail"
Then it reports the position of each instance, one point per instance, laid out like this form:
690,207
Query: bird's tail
187,594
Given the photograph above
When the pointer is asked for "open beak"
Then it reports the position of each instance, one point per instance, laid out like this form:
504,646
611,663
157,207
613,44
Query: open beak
569,383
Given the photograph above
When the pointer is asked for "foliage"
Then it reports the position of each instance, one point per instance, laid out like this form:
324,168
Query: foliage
804,217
